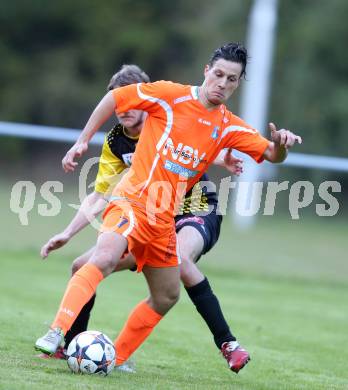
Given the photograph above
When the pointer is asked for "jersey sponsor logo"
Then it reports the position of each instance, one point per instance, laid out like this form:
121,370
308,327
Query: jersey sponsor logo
127,158
182,99
183,153
179,170
204,122
215,133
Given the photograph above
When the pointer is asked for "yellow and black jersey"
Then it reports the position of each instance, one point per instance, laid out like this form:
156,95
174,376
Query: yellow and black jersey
116,157
121,144
198,199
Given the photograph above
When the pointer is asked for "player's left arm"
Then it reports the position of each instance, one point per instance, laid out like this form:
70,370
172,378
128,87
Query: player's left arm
282,140
228,161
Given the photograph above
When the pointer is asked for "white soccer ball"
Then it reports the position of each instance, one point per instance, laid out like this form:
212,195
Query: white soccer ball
91,352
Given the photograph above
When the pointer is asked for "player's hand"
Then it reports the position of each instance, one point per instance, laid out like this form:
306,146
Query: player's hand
284,137
233,164
76,151
55,242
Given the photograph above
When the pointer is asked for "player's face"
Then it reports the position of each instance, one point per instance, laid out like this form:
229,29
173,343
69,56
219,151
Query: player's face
131,118
221,80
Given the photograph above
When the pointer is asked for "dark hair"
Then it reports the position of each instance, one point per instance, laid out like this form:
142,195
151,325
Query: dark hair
128,74
234,52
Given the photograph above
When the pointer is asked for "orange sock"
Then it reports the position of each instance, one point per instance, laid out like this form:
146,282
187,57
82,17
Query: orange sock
79,291
138,327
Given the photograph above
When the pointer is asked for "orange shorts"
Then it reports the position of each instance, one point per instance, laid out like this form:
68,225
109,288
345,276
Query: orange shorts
152,245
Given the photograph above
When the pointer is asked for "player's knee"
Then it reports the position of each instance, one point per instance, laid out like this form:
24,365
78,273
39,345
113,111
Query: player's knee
173,296
105,261
186,268
77,264
163,302
166,303
173,293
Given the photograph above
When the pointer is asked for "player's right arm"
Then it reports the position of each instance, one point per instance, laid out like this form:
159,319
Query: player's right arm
133,96
101,114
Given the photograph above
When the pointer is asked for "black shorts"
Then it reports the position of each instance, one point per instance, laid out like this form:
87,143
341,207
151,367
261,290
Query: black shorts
208,226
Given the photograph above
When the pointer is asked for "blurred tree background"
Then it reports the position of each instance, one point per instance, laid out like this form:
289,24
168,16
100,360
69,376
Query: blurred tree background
57,57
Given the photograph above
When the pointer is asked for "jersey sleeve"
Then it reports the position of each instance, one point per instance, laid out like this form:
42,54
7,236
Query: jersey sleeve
109,169
149,97
240,136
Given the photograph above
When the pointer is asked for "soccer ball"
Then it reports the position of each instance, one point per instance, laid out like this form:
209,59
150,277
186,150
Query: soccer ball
91,352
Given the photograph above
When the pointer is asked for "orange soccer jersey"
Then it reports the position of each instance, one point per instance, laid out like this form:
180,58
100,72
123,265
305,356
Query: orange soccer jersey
178,142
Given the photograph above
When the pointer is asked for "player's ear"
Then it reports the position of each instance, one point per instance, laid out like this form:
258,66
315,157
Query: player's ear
206,69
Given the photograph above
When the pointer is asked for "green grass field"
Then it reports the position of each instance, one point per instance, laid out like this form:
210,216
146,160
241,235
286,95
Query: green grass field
282,286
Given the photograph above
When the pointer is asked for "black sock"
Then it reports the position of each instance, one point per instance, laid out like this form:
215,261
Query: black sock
209,308
81,322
